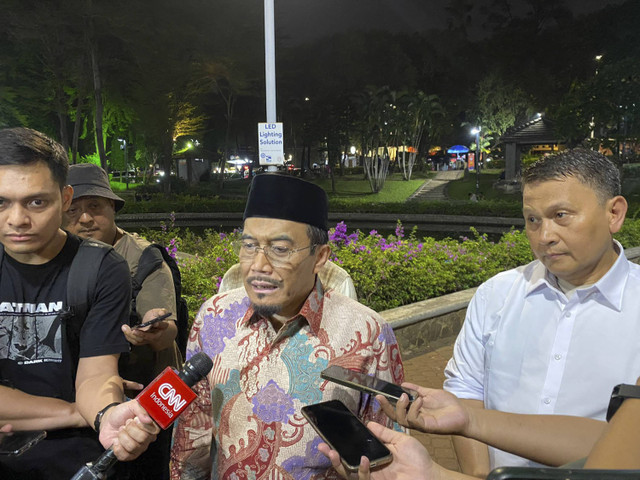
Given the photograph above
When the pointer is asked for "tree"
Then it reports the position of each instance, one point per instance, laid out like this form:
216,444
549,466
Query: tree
419,112
499,104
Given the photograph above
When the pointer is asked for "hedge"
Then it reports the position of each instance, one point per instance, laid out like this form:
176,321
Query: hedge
388,272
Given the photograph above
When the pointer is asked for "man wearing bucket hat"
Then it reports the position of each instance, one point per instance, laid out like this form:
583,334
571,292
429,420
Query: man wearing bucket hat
92,215
58,368
270,340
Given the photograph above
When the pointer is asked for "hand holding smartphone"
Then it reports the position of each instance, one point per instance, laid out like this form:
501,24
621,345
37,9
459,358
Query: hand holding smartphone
153,320
346,434
366,383
16,443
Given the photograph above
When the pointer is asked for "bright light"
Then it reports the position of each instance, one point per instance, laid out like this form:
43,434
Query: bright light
538,115
476,130
306,99
352,150
598,58
189,145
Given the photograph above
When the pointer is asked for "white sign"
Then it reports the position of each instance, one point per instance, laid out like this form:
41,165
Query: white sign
271,143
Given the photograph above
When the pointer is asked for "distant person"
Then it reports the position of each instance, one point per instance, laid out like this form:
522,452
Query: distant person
473,198
270,341
48,380
92,215
553,336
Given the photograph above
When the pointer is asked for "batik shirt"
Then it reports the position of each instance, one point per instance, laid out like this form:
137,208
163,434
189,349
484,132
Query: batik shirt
246,421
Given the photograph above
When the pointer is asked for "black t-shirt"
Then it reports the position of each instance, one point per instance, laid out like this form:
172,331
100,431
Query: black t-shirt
34,358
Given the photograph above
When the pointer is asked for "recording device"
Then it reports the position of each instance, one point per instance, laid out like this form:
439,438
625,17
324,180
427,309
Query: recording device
153,320
346,434
367,383
164,399
16,443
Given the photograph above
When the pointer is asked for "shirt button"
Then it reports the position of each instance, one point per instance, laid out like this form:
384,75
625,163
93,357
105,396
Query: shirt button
557,356
568,314
547,401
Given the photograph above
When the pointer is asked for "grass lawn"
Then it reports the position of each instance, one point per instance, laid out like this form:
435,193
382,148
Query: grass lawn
460,189
356,190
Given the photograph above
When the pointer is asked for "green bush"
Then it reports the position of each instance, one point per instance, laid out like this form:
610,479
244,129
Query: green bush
387,271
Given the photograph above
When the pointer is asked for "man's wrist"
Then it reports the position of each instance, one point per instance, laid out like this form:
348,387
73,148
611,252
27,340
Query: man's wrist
470,427
100,415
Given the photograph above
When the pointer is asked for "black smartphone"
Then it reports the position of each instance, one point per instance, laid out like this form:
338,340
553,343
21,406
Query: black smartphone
548,473
366,383
346,434
153,320
16,443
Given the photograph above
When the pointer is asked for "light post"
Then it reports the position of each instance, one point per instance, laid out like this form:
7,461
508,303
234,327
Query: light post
126,160
476,132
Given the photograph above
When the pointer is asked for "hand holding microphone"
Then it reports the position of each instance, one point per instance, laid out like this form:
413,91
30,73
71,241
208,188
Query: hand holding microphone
162,401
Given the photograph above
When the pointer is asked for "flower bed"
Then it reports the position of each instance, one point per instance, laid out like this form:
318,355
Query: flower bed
388,272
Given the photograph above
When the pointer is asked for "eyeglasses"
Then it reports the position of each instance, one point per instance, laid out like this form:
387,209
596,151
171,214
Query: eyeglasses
277,254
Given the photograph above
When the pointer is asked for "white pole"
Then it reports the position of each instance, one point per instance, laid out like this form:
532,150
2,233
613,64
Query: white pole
270,60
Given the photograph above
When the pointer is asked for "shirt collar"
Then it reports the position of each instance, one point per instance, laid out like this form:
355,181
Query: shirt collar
610,286
311,310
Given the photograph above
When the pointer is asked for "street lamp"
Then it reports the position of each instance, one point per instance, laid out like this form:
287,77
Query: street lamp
476,132
126,161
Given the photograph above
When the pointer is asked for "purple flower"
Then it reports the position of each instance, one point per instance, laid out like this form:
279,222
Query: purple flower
272,404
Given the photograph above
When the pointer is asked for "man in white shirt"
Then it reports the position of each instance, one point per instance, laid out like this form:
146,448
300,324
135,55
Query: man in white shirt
553,336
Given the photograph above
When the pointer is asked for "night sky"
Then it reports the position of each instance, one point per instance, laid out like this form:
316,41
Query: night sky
301,20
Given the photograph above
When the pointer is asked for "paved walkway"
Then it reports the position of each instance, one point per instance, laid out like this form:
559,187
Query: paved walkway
435,188
427,370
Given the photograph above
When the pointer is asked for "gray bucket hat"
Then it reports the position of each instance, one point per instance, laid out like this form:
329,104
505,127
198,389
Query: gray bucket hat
89,180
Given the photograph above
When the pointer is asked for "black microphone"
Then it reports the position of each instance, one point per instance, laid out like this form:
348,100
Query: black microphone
164,399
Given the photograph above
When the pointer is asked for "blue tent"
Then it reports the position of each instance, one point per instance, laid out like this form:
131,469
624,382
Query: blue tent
458,149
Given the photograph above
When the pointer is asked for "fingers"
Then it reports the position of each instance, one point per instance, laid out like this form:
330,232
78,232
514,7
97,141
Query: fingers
386,406
384,434
131,385
133,335
133,439
364,469
6,428
397,412
334,458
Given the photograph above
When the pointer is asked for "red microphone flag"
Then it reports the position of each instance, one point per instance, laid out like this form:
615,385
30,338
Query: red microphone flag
166,397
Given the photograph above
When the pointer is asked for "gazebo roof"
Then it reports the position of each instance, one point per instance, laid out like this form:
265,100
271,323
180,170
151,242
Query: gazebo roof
537,131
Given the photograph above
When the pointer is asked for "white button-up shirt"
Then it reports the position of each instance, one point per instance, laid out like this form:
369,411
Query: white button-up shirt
526,348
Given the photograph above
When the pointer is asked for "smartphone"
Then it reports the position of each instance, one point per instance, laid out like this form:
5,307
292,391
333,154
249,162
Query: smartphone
16,443
153,320
367,383
346,434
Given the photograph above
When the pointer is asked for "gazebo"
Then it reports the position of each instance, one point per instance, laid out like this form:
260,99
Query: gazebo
539,131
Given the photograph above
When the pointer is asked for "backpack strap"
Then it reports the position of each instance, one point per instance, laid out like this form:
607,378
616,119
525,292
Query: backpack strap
150,260
81,290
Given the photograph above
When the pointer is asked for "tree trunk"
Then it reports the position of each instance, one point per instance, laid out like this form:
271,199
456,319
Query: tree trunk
76,129
97,87
62,118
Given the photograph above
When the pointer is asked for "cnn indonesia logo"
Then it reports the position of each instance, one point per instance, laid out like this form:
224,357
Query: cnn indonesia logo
166,397
173,399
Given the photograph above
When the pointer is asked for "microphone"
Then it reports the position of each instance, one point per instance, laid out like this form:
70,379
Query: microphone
164,399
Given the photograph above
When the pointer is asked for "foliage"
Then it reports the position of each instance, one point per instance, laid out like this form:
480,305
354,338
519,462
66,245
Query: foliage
202,261
414,269
388,272
499,105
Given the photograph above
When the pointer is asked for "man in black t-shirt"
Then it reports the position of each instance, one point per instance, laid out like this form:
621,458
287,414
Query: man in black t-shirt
41,385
